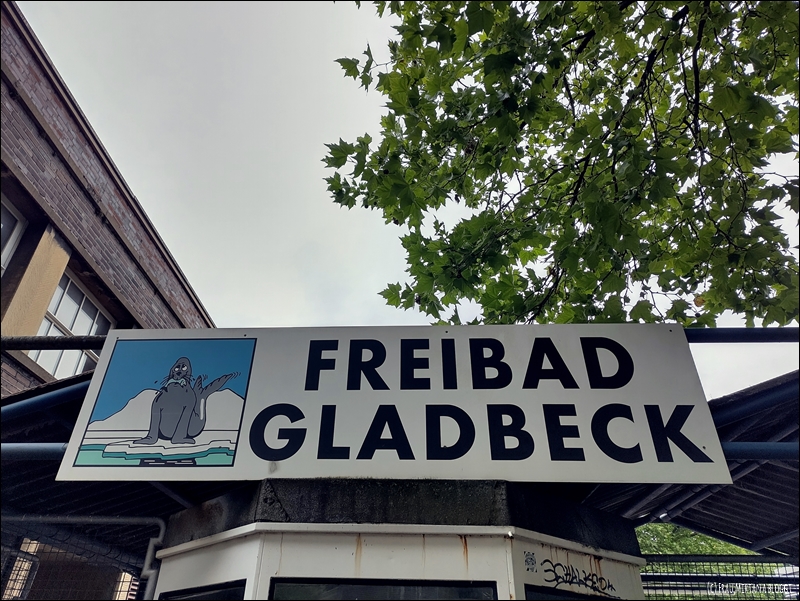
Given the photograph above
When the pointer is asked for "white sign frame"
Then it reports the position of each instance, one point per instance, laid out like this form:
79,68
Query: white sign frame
601,403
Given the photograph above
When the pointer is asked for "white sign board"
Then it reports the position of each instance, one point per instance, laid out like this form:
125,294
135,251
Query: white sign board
555,403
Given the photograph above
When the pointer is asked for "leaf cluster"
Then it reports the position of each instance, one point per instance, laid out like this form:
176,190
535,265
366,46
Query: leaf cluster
669,539
613,158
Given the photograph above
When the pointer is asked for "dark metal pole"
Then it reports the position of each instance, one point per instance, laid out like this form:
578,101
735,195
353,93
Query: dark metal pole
721,335
740,451
42,343
32,451
45,401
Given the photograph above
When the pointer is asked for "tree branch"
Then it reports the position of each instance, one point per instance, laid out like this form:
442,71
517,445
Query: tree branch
696,71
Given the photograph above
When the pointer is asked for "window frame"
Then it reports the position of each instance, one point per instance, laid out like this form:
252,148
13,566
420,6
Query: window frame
276,582
16,234
232,589
55,322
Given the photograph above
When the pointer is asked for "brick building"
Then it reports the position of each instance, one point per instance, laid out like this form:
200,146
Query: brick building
79,254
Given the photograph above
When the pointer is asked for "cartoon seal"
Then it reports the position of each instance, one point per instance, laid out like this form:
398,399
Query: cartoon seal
178,413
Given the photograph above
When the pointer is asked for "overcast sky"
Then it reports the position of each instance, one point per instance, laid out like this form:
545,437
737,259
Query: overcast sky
216,114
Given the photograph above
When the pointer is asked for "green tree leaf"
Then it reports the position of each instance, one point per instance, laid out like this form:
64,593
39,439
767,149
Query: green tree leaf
350,66
478,18
669,539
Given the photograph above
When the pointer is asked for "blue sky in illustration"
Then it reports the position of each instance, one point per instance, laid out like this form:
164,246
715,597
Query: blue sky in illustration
137,365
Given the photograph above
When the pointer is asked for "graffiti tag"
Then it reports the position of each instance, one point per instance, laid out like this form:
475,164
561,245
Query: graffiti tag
559,574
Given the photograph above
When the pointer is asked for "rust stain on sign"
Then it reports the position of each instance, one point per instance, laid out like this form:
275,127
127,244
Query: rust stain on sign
358,555
465,550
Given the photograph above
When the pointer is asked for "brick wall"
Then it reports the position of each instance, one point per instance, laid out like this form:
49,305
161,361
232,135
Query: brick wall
15,378
74,179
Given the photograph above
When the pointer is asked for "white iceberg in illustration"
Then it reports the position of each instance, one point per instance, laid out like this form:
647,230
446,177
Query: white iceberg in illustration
117,432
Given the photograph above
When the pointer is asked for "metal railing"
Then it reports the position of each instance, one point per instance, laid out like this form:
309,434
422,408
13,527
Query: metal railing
720,576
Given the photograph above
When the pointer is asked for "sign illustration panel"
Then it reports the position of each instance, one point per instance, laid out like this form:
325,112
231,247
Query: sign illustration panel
166,403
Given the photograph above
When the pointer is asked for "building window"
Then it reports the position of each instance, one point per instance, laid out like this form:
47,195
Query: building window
368,588
70,313
13,226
